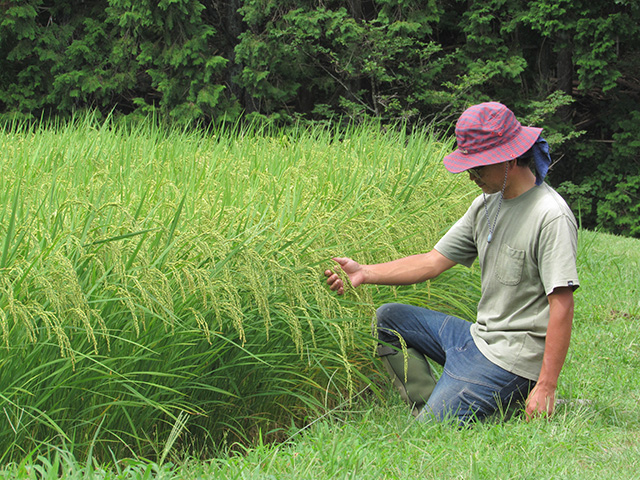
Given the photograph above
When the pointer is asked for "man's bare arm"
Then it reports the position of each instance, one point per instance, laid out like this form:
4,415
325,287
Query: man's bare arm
404,271
541,400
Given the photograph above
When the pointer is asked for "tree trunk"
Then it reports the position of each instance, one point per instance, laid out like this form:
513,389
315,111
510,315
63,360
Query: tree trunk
233,27
564,68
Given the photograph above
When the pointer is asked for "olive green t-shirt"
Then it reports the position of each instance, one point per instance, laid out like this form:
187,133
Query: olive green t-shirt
532,251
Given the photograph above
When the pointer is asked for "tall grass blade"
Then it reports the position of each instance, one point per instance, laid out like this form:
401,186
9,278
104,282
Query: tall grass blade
9,238
121,237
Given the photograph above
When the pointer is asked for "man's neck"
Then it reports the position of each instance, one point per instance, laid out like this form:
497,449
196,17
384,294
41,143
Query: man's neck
521,180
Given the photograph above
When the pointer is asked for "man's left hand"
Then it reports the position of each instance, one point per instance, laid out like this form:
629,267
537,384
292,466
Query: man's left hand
541,402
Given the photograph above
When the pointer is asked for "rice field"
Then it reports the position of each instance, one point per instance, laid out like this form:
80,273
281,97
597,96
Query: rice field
163,288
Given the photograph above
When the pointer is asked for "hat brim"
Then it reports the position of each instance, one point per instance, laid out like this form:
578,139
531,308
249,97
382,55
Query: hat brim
458,161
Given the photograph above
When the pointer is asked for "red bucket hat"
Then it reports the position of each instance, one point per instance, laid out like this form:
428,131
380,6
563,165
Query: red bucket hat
487,134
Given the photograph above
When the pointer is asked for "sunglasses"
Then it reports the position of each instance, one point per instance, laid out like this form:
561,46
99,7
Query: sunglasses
477,171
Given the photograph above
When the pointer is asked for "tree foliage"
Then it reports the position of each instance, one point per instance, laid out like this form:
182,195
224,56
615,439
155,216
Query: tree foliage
399,60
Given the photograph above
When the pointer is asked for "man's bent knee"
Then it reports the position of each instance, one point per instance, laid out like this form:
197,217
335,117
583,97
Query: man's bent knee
387,316
387,312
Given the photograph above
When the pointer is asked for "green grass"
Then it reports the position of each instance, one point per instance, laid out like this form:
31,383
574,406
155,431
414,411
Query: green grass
158,383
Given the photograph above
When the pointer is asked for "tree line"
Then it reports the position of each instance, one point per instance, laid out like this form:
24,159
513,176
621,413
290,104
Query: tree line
569,65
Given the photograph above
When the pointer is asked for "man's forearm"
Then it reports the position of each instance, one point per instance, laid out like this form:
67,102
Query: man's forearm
558,336
409,270
541,400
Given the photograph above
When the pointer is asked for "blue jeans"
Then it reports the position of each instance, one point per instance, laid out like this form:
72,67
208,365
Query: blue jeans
470,387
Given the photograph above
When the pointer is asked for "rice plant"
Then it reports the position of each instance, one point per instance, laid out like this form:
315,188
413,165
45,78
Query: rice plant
156,277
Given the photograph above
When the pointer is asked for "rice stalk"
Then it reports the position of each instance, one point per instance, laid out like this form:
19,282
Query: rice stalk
251,271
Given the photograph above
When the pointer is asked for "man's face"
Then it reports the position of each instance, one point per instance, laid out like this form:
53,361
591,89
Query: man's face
489,178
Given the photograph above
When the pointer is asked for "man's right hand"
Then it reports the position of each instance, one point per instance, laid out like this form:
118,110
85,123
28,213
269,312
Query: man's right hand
354,271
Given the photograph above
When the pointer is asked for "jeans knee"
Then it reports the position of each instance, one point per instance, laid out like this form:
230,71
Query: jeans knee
388,319
384,314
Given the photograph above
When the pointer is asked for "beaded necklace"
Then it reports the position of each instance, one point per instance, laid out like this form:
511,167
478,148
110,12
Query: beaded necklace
486,212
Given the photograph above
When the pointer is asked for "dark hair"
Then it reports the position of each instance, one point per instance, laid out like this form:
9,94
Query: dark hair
526,159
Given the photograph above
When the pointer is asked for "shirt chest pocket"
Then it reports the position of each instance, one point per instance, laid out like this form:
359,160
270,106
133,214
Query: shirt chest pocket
510,264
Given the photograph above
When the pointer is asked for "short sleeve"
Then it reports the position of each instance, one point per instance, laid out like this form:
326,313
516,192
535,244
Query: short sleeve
557,254
458,244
